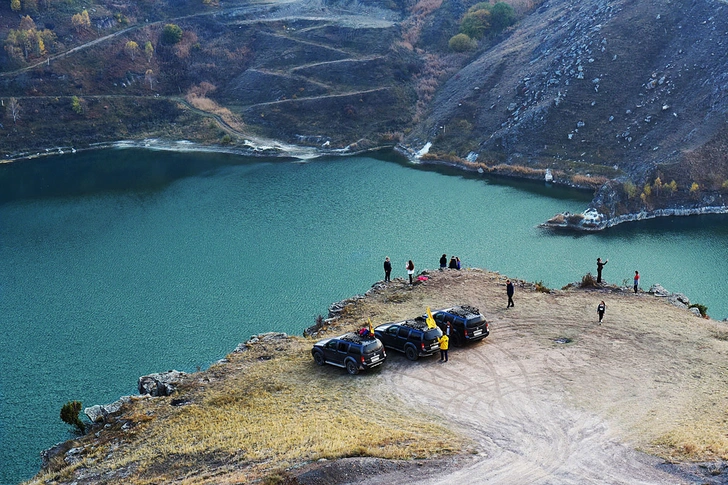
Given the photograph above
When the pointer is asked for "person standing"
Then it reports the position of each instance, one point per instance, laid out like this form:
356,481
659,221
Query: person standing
509,292
636,281
444,344
410,270
601,308
600,265
387,269
443,261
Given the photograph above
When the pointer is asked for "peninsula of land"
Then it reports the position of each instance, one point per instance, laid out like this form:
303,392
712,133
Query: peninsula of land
551,396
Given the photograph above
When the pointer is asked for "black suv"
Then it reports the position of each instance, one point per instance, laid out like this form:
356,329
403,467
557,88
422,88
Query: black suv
411,337
467,324
350,351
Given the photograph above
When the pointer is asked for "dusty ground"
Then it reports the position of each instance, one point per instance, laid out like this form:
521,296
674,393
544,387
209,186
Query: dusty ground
594,410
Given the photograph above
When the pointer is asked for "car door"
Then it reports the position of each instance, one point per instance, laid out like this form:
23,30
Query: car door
390,336
342,350
330,350
402,337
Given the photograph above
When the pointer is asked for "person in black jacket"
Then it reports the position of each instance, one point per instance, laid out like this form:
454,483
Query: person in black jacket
600,311
509,292
453,263
387,268
443,261
600,265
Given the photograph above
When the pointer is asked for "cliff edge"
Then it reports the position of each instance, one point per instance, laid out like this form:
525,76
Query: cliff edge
550,396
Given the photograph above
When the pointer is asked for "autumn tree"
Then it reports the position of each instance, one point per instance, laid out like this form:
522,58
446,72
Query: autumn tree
149,51
27,41
131,48
149,78
14,110
81,21
76,105
15,5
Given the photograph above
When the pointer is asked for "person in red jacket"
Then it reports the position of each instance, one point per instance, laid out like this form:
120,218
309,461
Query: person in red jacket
636,281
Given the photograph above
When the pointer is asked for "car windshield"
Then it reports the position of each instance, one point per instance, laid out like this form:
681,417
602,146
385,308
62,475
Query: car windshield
372,346
433,334
476,321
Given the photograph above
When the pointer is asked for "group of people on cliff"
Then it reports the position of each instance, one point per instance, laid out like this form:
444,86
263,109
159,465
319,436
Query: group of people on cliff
510,289
410,267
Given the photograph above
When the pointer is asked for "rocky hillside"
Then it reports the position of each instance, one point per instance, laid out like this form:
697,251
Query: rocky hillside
626,97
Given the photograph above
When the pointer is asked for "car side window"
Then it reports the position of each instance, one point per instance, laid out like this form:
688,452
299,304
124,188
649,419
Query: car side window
343,347
332,345
393,330
355,349
403,332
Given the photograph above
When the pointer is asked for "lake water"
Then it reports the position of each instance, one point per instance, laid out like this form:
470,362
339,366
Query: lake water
120,263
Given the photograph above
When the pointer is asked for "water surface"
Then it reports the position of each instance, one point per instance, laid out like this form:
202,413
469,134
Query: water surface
119,263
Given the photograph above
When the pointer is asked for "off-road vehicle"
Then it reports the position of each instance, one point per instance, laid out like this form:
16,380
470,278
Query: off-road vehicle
412,337
466,324
350,351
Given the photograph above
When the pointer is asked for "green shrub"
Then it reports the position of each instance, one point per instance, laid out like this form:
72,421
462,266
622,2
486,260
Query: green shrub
226,140
461,43
69,415
171,34
502,16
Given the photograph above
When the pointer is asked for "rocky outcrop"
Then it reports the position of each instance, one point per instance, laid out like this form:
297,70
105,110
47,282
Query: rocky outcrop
101,412
161,384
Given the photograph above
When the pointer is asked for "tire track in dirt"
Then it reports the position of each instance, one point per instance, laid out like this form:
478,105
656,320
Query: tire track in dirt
512,405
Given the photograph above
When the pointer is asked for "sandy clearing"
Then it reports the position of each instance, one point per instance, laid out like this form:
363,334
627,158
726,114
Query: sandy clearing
543,412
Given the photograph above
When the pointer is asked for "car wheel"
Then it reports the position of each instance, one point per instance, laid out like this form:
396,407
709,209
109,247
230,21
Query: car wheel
411,353
318,358
351,367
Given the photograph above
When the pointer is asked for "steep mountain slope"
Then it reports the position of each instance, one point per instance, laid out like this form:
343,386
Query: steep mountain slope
629,90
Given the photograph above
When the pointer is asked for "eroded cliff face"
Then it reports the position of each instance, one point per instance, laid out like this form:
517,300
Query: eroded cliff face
630,92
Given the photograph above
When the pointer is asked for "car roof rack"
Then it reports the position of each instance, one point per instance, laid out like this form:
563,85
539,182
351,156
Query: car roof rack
464,311
357,339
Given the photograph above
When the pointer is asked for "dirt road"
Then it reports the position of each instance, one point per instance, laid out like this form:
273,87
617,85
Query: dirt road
551,397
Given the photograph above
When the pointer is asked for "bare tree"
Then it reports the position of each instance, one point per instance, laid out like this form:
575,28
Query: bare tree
14,109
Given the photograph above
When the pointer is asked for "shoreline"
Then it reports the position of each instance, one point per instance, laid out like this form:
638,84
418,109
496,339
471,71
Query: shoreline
337,321
272,149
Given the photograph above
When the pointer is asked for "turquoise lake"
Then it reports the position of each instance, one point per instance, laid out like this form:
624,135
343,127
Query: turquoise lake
120,263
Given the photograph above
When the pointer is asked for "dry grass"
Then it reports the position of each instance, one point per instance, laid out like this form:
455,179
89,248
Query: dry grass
206,104
264,411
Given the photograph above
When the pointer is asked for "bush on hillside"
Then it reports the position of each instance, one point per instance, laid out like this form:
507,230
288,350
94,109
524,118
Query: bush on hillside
171,34
461,43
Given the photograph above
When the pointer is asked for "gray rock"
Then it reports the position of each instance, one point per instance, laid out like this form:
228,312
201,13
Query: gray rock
100,413
678,299
658,290
162,384
695,312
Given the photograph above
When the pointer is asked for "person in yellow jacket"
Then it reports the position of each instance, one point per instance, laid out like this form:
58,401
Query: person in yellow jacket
444,344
